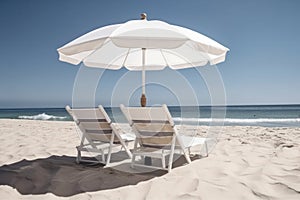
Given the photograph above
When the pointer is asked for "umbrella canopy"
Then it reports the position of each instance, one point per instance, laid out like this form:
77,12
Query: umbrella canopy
143,45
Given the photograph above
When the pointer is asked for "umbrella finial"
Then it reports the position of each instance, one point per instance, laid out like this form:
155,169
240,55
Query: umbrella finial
144,16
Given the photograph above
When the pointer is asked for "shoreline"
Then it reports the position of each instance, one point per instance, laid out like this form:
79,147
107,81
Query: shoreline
182,124
248,162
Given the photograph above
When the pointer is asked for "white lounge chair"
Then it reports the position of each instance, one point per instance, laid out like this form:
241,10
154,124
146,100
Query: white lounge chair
98,133
156,135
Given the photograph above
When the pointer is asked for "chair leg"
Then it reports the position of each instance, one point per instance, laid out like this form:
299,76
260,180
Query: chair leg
128,152
110,148
108,155
132,160
133,155
126,148
126,143
115,131
78,159
189,150
187,157
171,154
163,160
103,156
206,148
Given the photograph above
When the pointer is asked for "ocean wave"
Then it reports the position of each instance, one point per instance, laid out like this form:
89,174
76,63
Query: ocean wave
238,120
42,116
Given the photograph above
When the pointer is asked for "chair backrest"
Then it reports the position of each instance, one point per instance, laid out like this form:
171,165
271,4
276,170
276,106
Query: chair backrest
153,125
94,123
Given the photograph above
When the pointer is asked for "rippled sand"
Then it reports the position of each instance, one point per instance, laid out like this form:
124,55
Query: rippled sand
37,161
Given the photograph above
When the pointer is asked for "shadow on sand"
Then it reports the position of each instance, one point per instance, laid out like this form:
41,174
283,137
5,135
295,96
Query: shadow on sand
61,176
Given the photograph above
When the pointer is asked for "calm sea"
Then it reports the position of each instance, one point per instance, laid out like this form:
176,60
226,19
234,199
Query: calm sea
274,115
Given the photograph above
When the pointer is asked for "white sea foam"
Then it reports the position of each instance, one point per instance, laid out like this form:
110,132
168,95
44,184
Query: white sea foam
239,121
42,116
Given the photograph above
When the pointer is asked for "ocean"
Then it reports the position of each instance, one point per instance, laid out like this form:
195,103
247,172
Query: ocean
268,116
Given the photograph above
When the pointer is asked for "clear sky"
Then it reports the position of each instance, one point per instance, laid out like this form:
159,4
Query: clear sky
262,67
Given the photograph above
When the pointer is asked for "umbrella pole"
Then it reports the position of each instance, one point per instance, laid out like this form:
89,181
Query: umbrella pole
148,160
143,97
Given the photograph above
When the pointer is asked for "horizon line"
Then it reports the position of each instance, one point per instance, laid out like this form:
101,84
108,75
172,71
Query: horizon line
228,105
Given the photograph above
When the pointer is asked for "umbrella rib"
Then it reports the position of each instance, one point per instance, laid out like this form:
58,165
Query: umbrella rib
95,49
123,64
164,57
180,56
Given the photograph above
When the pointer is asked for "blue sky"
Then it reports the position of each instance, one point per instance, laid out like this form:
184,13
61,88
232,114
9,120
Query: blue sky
262,67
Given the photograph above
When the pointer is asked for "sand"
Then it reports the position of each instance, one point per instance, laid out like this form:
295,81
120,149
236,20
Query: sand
37,161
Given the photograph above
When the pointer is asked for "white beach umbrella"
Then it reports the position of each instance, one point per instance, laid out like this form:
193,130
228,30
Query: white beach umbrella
143,45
